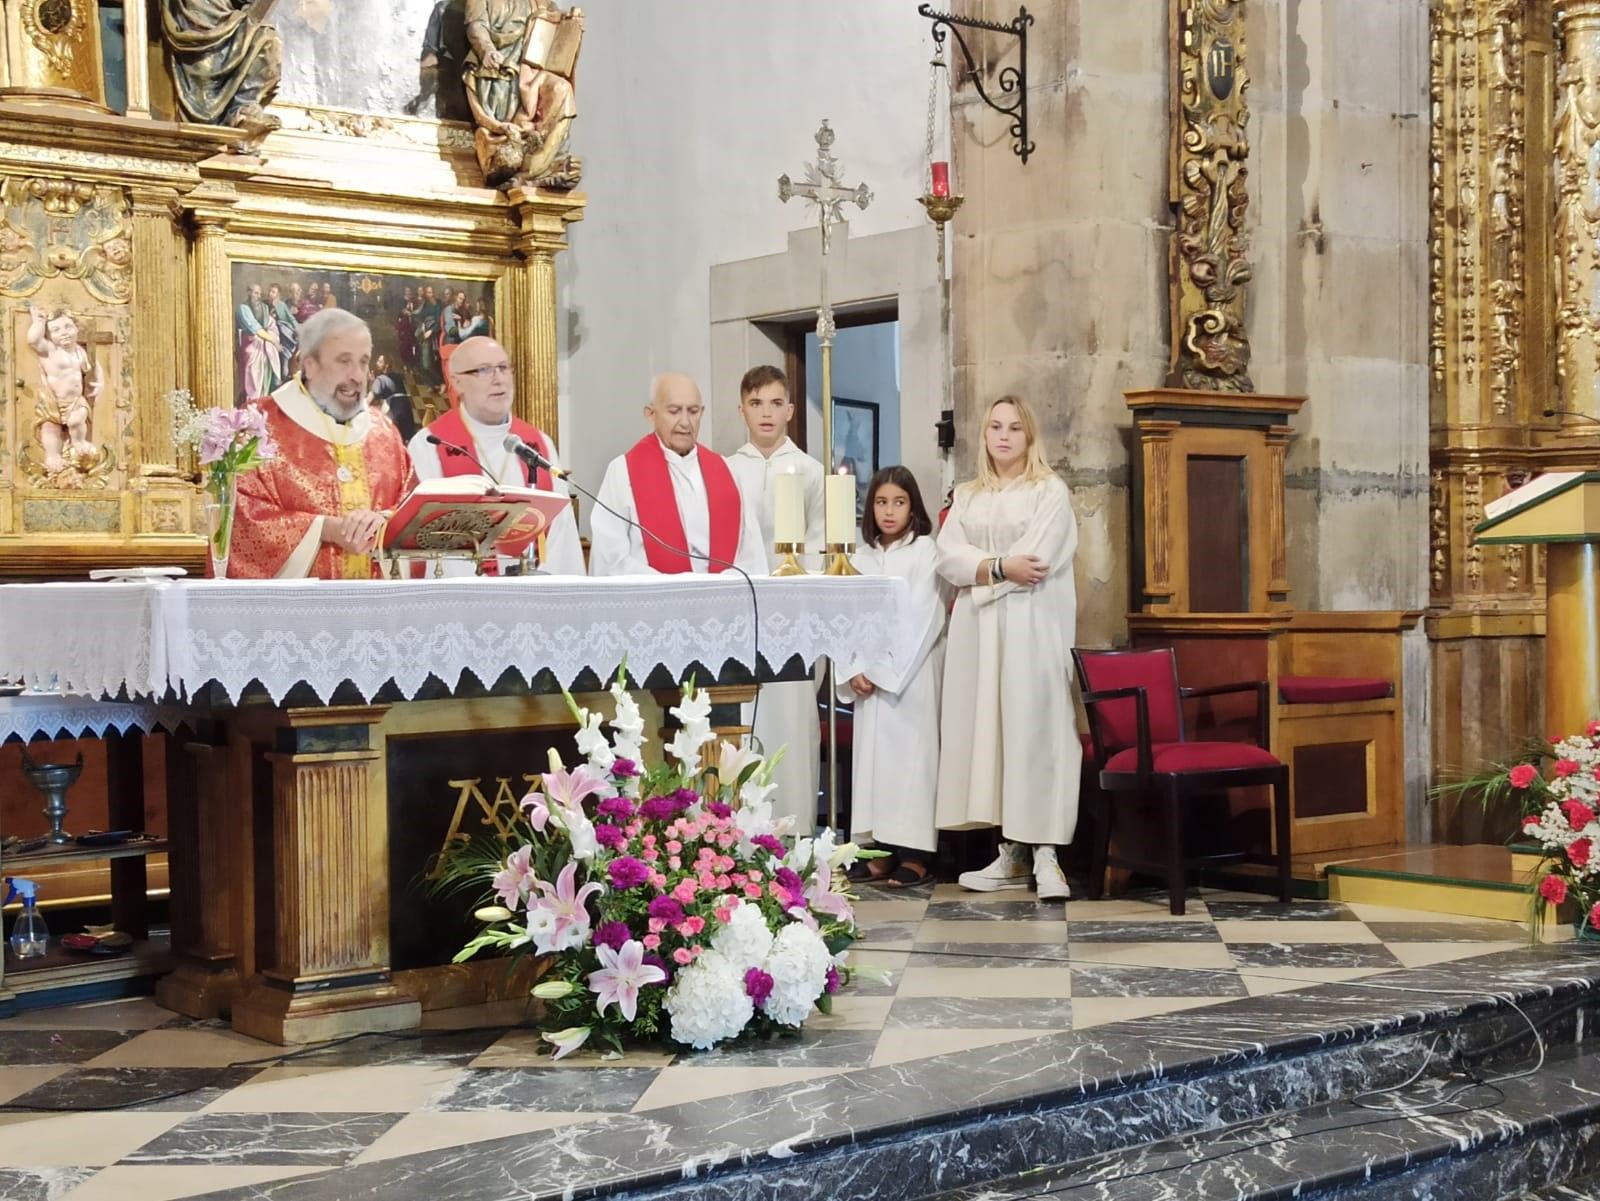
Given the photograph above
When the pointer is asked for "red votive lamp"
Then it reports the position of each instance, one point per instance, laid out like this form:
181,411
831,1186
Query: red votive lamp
941,178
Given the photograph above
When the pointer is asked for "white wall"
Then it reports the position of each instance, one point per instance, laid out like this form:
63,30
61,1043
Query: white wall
687,115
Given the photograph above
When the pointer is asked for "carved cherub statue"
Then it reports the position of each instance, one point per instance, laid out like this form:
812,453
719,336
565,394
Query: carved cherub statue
519,75
69,385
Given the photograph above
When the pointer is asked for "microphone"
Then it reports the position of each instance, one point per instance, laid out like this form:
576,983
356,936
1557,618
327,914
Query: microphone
1549,412
532,457
453,448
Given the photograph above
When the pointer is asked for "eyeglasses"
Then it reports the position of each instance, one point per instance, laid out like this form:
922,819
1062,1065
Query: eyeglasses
488,370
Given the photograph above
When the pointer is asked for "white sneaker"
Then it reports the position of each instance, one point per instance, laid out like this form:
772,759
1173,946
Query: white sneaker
1048,881
1009,870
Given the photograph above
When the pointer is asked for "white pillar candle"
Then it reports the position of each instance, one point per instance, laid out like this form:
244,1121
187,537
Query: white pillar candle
788,509
840,503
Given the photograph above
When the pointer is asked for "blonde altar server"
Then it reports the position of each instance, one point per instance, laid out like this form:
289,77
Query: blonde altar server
319,507
482,373
1009,750
678,490
787,714
895,743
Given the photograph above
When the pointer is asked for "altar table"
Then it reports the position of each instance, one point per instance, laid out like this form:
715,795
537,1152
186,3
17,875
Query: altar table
340,726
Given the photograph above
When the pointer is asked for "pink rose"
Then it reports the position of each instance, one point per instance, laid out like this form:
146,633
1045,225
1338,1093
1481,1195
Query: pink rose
674,846
651,941
657,924
685,890
1553,889
1522,775
692,925
723,914
674,863
682,957
753,891
651,854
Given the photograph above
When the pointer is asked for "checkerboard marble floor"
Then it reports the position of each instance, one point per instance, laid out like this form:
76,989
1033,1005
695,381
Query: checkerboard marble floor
123,1101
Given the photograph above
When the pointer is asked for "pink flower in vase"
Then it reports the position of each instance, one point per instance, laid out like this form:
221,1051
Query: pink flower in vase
1522,775
622,974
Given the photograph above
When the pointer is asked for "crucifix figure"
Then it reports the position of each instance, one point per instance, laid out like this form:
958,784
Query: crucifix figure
824,189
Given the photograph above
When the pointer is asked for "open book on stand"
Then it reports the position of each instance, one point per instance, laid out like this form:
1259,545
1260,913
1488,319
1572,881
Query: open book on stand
470,515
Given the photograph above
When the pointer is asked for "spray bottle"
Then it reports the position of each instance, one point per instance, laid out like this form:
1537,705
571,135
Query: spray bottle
29,935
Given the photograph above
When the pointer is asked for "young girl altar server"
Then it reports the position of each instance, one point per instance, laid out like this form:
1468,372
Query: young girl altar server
1010,754
895,742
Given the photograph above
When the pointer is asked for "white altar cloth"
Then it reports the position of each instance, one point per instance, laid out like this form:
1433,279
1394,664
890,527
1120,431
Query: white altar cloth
154,638
50,715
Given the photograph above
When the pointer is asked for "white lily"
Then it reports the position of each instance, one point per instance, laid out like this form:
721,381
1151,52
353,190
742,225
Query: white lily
554,990
567,1041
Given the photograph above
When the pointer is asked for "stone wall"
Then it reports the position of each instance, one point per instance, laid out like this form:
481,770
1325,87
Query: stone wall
1061,268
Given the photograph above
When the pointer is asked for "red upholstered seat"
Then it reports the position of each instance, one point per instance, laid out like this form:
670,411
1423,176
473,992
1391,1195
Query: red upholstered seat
1326,690
1194,756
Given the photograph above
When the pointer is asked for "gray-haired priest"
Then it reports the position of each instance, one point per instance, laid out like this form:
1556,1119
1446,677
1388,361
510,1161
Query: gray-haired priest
317,509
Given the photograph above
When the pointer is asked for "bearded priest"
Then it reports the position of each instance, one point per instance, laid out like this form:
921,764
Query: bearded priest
318,509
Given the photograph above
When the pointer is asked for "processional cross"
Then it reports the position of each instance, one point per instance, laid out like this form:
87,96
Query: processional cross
824,189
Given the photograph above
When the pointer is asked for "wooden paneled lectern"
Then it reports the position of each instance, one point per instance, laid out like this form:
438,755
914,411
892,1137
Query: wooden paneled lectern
1210,579
1561,511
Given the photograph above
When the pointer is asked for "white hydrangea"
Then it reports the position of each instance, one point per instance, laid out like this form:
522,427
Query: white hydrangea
745,940
798,966
707,1002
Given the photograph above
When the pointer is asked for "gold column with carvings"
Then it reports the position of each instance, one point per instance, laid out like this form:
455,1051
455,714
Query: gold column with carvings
1577,230
159,251
50,52
1494,246
211,371
534,289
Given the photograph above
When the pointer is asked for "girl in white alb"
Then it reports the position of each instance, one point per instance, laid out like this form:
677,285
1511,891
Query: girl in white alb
895,745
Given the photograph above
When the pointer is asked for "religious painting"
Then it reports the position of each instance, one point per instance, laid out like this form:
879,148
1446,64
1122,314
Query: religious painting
855,443
416,321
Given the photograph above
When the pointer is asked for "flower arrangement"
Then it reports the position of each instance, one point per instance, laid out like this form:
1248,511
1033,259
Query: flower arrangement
227,442
667,898
1561,812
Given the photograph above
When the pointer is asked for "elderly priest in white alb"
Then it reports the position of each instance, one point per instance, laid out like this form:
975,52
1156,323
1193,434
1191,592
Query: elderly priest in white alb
481,370
678,490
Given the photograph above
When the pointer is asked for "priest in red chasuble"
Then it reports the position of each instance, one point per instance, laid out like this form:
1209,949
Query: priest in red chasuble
481,370
318,509
678,490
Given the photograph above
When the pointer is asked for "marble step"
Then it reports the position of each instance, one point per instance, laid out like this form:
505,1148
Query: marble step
1533,1137
962,1120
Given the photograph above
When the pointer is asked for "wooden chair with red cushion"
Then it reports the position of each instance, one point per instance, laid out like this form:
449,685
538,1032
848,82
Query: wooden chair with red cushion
1136,722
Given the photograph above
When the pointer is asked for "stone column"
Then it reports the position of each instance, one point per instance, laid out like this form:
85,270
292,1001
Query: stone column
1576,145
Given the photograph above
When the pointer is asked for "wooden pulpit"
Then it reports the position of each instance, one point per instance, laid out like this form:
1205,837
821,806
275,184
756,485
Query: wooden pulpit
1561,511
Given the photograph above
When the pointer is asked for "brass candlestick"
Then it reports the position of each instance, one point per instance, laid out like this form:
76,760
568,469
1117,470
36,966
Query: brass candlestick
791,552
839,559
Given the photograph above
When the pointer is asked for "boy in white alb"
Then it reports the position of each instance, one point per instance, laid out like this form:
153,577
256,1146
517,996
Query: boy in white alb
787,713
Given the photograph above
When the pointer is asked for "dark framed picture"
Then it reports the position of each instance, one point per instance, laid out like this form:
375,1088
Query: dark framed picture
416,322
855,442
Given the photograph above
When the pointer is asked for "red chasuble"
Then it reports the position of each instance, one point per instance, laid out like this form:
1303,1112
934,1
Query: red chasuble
656,505
451,428
322,469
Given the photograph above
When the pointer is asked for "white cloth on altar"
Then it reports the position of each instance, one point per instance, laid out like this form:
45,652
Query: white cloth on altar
52,715
894,746
617,547
146,638
563,549
1009,749
787,713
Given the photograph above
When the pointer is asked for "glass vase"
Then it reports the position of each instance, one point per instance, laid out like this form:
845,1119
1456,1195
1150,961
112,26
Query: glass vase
221,503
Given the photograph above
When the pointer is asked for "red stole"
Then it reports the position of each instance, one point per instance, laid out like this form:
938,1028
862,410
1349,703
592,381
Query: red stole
657,507
450,427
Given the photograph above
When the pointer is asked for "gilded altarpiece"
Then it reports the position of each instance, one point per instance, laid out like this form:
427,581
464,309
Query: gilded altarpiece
121,240
1514,338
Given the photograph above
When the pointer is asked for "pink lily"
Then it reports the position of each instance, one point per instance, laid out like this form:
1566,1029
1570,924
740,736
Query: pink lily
567,904
538,811
514,881
569,788
821,897
622,974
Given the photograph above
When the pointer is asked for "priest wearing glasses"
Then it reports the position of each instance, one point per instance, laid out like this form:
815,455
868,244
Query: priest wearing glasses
471,441
317,510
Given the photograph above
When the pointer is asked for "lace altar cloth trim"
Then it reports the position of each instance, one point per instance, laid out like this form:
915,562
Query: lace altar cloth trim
147,638
34,715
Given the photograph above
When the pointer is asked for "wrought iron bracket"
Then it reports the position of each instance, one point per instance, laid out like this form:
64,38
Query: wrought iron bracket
1012,80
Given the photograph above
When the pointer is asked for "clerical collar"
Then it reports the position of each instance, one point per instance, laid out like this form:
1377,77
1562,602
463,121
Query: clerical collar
691,453
483,428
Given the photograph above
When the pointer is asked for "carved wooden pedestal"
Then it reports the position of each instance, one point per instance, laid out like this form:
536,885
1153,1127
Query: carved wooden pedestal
324,961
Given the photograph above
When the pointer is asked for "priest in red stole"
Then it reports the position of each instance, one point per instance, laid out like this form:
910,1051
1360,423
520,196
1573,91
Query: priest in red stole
318,509
679,491
481,370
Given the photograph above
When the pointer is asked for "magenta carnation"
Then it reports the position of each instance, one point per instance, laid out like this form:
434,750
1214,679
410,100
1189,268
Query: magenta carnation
610,836
831,981
627,872
667,909
624,768
612,934
658,809
757,985
684,797
768,842
719,809
617,808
